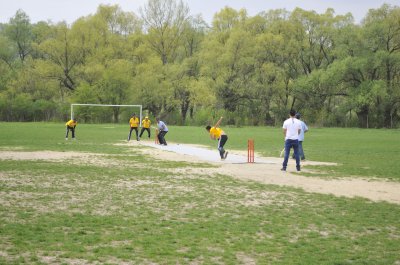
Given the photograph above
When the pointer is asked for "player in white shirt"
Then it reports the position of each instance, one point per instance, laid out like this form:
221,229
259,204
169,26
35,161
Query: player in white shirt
291,130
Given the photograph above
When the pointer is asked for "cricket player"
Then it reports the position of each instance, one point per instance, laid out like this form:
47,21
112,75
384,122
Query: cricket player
134,124
71,125
291,130
145,126
216,133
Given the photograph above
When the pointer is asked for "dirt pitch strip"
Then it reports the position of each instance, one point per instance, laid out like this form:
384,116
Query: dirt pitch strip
265,169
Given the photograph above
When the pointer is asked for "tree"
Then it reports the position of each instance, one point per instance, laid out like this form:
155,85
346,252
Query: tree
7,52
150,86
228,59
192,36
63,55
313,49
164,21
19,30
118,21
382,32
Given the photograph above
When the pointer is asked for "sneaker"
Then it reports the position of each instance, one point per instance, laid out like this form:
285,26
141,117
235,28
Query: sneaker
66,139
222,158
225,155
298,169
283,169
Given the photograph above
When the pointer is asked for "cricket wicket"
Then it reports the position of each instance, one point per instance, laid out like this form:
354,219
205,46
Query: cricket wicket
156,137
250,151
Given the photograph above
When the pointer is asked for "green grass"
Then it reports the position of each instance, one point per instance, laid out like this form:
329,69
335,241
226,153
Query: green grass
358,152
132,208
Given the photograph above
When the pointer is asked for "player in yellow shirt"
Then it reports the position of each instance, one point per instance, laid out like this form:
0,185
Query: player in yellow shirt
145,126
71,124
217,133
134,124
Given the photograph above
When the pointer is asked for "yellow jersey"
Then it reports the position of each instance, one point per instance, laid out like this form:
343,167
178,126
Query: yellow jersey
134,122
71,123
146,123
216,132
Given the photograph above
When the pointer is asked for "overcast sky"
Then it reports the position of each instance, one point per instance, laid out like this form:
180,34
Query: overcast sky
71,10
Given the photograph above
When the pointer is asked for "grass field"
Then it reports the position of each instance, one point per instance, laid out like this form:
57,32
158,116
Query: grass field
117,206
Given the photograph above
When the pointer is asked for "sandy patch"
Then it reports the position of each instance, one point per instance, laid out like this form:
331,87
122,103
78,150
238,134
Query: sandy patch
271,174
41,155
77,158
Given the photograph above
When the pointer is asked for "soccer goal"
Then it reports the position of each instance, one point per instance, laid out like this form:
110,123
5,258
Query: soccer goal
106,105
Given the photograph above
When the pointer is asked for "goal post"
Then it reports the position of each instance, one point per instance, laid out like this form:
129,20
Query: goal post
106,105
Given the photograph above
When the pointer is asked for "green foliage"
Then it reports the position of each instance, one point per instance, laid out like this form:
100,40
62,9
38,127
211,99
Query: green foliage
255,68
19,30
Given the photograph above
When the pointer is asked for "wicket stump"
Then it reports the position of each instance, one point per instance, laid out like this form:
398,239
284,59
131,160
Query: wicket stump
156,137
250,151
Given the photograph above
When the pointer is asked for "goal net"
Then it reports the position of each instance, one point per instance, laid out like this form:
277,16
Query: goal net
130,108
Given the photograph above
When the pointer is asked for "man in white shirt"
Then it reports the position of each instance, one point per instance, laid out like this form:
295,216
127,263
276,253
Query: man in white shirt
291,130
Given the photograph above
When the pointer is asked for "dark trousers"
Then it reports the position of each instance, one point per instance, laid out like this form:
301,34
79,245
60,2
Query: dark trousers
221,142
72,129
143,129
301,151
130,133
161,138
288,145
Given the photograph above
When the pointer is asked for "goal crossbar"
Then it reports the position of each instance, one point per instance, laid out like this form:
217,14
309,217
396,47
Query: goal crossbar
105,105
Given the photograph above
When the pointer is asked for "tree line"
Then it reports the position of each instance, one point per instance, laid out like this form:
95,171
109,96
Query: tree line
251,69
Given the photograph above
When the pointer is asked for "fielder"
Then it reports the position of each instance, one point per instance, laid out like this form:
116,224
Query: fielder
145,126
134,124
71,125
